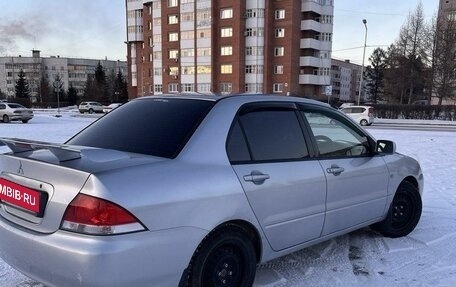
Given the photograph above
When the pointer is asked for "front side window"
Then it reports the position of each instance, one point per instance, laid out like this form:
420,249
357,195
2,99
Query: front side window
334,137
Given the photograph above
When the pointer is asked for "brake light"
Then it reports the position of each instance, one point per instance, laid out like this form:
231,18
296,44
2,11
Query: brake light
91,215
371,112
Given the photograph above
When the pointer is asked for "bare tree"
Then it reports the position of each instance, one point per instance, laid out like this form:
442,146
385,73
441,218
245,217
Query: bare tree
412,42
444,60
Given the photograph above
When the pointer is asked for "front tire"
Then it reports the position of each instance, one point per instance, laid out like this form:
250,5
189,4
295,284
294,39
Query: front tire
363,122
91,111
226,258
404,212
25,121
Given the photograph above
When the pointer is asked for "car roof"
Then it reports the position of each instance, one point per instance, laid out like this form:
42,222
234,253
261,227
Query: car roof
242,97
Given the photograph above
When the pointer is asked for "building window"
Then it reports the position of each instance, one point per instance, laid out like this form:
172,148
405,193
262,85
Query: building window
254,69
173,36
326,19
226,50
203,15
157,55
254,51
187,35
172,3
226,13
157,38
226,88
173,71
150,25
277,87
254,13
278,69
173,19
279,51
188,87
156,4
187,17
253,88
226,32
189,52
188,70
173,87
202,52
279,14
226,69
204,69
158,88
203,87
204,33
254,32
324,37
157,71
157,21
173,54
280,32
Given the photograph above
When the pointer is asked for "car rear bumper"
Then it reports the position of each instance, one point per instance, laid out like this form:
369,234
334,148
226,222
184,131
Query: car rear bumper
67,259
21,117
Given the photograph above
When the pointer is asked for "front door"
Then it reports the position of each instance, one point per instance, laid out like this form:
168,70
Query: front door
357,179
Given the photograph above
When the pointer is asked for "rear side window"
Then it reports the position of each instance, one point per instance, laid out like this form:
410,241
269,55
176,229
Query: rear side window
274,135
158,127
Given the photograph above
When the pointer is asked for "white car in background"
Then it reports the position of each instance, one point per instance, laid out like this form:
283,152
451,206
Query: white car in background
90,107
364,115
112,106
14,112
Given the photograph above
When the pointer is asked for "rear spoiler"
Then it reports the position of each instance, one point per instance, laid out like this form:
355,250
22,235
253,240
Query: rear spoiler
60,151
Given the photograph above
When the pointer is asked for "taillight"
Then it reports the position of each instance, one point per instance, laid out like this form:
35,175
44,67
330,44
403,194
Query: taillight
91,215
371,112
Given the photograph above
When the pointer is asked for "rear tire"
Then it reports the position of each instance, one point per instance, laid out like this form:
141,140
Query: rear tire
225,258
25,121
363,122
6,119
91,111
404,212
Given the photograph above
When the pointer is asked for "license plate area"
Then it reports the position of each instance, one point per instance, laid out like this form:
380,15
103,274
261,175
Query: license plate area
24,198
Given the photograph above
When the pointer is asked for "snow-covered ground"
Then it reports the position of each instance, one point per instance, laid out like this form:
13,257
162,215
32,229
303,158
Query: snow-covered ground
427,257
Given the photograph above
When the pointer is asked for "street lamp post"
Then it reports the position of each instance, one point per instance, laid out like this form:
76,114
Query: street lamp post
362,66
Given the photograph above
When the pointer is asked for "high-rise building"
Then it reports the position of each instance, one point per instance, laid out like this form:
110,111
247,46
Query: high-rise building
447,9
231,46
345,77
70,71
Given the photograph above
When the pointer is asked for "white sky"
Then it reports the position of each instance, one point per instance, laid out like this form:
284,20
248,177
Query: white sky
96,28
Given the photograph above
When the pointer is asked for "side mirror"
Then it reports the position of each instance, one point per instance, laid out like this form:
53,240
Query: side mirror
386,147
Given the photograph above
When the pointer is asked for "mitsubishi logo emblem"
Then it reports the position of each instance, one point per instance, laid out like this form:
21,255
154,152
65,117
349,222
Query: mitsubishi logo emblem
20,171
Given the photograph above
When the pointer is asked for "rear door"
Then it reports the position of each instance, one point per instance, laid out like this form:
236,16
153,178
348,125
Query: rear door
285,186
357,179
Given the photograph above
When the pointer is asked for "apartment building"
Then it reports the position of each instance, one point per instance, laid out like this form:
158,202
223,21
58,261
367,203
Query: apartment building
231,46
345,77
71,71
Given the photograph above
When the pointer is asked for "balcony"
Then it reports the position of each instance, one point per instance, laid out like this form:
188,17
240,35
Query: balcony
311,25
308,79
308,61
310,43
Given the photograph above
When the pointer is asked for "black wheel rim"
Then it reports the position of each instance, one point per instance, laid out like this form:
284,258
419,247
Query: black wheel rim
402,211
224,267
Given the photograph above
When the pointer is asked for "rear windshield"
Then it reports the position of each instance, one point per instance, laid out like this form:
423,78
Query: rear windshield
16,106
158,126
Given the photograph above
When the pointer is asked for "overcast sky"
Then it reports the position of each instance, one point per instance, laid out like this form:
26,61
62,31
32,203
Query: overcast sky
96,28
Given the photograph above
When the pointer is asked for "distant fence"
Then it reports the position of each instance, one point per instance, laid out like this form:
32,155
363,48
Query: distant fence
416,112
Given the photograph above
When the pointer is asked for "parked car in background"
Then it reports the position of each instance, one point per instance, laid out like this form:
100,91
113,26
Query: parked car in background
14,112
364,115
90,107
189,190
111,107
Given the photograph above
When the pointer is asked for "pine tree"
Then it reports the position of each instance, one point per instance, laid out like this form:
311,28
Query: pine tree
72,95
22,86
375,75
120,88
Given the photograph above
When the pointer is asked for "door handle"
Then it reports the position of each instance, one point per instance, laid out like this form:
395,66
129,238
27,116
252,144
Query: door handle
335,169
256,177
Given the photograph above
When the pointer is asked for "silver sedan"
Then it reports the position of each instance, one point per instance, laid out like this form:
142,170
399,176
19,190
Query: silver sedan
196,191
15,112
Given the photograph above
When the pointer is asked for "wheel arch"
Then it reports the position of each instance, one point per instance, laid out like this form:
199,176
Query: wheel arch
412,180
